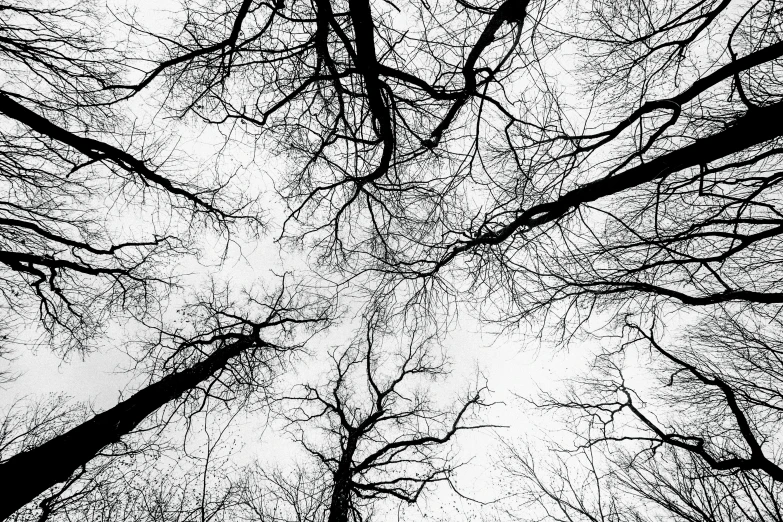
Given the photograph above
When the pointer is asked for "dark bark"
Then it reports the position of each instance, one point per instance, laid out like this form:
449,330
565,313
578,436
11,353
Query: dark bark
28,474
754,128
340,505
97,150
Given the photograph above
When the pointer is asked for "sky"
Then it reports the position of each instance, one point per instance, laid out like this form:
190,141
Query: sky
514,364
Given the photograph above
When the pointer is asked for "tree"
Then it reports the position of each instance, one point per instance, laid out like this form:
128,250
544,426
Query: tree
71,157
300,495
485,162
380,432
226,353
373,431
152,478
691,437
539,161
446,154
672,486
715,397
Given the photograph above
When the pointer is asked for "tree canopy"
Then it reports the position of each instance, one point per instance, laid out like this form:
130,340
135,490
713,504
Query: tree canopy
590,179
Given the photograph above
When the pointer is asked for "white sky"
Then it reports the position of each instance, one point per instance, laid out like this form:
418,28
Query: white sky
512,365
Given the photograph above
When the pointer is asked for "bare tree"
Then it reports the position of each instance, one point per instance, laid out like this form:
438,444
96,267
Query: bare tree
228,352
559,157
378,431
598,485
298,495
445,141
370,436
716,397
74,166
684,429
152,477
71,157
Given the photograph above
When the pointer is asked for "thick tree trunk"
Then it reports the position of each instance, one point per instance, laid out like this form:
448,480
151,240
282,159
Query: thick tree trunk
340,504
26,475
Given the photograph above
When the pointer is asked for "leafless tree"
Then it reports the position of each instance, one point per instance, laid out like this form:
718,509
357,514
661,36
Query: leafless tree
152,477
228,354
74,165
298,495
379,432
716,397
556,157
434,138
600,485
76,170
373,431
681,429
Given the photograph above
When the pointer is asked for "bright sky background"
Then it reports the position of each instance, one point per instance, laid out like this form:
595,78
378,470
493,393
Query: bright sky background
512,364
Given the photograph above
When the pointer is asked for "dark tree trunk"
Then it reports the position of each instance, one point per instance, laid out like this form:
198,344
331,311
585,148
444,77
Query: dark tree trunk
340,505
26,475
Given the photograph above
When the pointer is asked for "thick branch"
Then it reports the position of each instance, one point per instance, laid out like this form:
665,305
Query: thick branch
750,130
99,151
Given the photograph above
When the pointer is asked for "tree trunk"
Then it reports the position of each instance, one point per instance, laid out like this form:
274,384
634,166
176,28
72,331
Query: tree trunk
28,474
341,493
